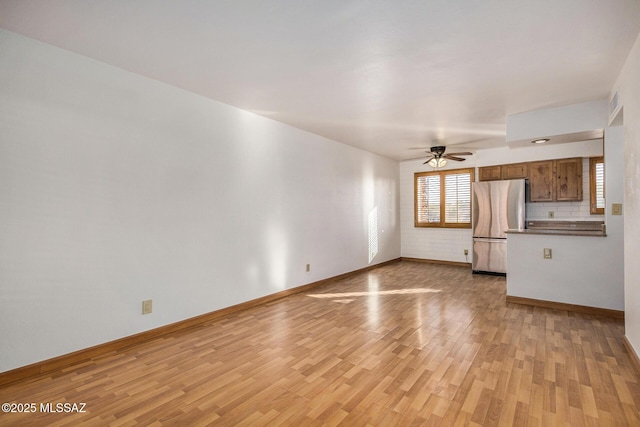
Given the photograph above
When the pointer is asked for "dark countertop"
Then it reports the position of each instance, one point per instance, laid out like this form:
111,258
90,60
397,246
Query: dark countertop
564,228
593,233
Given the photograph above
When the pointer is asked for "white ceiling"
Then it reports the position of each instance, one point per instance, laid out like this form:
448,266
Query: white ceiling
386,76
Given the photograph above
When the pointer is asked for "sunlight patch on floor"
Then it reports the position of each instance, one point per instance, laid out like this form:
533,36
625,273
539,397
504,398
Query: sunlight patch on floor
369,293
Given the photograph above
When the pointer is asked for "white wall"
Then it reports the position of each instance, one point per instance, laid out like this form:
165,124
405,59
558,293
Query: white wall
449,244
115,189
628,87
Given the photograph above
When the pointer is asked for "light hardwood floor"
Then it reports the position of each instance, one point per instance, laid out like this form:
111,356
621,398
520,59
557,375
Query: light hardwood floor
405,344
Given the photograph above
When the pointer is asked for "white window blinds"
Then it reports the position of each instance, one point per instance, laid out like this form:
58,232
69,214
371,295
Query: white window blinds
428,199
596,185
457,189
600,185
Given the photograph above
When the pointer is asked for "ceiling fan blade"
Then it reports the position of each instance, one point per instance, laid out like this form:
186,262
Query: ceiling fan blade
450,157
429,159
466,153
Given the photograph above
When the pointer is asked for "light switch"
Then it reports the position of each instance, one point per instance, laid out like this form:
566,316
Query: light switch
547,253
147,306
616,209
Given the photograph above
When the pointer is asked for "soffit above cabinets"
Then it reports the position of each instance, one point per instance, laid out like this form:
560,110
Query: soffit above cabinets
561,139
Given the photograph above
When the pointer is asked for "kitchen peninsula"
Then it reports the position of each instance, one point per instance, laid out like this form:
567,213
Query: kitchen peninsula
546,266
584,269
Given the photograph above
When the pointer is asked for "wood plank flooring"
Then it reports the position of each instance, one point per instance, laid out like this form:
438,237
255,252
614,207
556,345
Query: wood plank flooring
406,344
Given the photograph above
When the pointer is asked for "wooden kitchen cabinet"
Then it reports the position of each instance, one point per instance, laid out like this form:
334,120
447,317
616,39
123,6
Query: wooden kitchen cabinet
515,171
510,171
568,179
557,180
541,181
489,173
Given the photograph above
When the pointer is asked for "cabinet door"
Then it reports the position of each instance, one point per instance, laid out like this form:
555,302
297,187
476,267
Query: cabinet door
515,171
489,173
541,186
569,179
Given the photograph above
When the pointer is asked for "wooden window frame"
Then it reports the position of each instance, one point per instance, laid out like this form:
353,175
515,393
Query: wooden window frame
442,174
595,210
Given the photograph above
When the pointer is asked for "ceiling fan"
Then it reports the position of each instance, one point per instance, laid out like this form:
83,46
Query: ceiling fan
437,158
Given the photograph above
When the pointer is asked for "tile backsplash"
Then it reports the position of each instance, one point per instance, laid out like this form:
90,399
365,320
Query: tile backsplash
574,211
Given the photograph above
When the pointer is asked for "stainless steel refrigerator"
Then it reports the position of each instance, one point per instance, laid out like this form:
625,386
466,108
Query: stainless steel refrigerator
498,206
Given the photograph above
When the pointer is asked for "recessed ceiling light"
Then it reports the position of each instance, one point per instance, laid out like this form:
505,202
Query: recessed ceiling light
540,141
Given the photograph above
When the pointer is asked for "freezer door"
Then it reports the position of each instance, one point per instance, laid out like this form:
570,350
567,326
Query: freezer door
498,206
489,255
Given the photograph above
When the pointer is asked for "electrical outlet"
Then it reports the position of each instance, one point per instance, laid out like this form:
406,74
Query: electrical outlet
308,267
466,251
147,306
547,253
552,214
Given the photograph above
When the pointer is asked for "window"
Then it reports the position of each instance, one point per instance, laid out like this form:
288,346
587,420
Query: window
443,198
596,185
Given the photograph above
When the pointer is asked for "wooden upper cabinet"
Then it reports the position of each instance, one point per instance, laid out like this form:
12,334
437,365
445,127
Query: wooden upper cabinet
541,188
549,180
515,171
489,173
569,179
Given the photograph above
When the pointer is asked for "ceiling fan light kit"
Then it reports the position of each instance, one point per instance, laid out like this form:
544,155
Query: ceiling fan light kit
437,163
438,159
